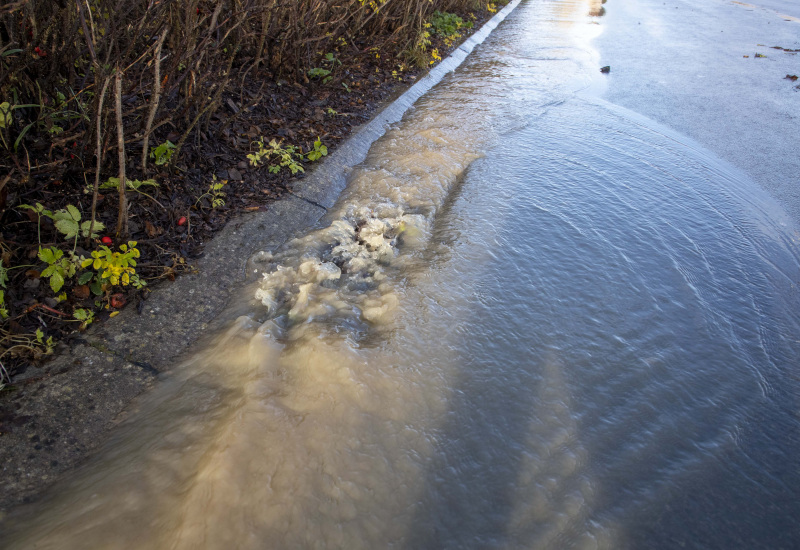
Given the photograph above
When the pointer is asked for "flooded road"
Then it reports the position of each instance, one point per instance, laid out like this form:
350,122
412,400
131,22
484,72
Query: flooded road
533,320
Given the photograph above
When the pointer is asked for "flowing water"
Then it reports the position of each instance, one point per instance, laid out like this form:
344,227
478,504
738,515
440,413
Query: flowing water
533,320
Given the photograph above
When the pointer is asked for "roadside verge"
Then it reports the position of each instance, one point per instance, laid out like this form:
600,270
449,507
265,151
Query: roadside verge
66,407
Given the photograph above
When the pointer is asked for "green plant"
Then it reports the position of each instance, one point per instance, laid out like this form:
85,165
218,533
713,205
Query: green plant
448,25
418,53
59,268
162,153
115,268
318,152
113,183
325,73
3,274
214,193
66,221
5,115
330,58
86,316
284,156
40,211
319,72
49,117
21,344
331,111
46,345
134,185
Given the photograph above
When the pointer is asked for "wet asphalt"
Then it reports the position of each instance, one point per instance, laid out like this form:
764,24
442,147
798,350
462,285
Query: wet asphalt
695,67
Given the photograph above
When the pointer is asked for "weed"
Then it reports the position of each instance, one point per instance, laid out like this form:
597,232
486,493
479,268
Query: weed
66,220
448,25
23,344
113,183
86,316
214,193
134,185
318,152
284,156
319,72
163,153
3,274
59,268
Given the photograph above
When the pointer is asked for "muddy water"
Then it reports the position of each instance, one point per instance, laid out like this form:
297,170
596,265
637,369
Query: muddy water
534,320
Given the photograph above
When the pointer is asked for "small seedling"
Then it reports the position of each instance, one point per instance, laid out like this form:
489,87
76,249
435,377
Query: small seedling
3,274
287,156
113,183
318,152
85,316
319,72
48,344
214,194
163,153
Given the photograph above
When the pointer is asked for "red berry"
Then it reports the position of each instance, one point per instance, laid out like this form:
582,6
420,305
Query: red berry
182,220
117,300
106,240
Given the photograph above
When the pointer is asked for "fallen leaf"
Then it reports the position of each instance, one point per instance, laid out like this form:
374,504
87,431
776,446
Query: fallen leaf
81,292
151,230
791,77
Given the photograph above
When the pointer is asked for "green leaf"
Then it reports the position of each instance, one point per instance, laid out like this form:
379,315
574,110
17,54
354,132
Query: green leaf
69,228
46,255
110,183
86,277
49,270
74,212
96,287
5,115
56,281
98,226
3,275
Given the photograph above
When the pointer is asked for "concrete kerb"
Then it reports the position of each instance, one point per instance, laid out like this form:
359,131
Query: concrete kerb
115,362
